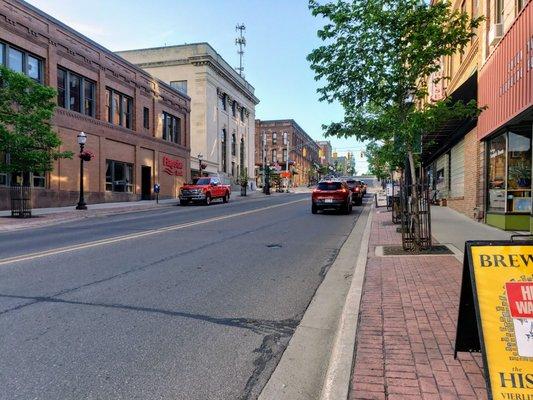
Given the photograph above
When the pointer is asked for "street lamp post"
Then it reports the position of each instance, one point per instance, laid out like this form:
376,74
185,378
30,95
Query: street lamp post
200,156
82,139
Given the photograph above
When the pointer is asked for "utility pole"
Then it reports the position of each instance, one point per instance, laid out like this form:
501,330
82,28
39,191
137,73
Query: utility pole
286,140
241,42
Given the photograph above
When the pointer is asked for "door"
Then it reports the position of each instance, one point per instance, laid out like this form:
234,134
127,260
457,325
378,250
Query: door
146,182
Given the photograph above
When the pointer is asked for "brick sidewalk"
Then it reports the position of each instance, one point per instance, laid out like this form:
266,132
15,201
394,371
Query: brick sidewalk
406,331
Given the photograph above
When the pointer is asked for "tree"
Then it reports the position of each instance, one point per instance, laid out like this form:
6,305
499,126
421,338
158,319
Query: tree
376,61
26,135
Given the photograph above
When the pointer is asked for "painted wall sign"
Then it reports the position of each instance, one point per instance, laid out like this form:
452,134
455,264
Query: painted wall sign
496,315
172,167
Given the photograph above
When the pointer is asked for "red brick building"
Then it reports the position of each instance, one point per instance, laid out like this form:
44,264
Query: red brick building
303,150
137,126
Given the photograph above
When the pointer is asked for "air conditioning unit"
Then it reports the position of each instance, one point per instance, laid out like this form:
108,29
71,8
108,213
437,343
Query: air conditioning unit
495,34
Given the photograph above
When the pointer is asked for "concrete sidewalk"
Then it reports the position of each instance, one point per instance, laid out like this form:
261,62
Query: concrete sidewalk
450,227
408,315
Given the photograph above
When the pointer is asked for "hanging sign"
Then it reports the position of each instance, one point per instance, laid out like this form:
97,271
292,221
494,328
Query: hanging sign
496,314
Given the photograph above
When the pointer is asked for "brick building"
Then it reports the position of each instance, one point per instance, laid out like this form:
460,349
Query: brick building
482,167
303,150
136,125
325,152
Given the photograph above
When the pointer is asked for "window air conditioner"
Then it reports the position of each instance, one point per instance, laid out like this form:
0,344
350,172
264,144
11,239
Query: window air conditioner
495,34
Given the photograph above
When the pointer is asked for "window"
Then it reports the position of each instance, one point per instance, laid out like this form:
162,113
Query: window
3,175
274,138
146,118
224,102
499,12
233,144
180,86
284,155
234,108
274,156
22,62
242,113
15,60
519,5
171,128
119,176
74,91
223,142
119,108
39,179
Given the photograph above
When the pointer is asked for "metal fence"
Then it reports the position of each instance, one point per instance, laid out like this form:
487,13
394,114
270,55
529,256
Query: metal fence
415,217
21,204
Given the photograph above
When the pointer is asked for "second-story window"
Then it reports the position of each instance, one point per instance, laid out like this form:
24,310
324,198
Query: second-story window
171,128
234,108
233,144
146,118
242,113
274,138
21,61
284,155
119,108
224,102
274,156
75,92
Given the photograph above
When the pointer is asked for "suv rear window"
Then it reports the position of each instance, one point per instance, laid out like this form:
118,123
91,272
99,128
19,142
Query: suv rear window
329,185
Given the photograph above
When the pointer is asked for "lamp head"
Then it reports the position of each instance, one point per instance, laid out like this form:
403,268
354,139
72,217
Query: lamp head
82,138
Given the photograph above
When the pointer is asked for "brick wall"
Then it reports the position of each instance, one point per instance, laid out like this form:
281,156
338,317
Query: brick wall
469,201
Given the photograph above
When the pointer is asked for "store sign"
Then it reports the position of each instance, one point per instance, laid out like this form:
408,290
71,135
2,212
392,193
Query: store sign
496,315
172,167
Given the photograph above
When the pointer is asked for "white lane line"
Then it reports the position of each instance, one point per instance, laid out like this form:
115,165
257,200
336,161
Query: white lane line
101,242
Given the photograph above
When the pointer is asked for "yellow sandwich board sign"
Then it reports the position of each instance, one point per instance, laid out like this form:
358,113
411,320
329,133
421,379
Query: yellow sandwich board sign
496,315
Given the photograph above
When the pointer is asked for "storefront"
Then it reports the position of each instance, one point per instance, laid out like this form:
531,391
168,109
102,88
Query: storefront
506,126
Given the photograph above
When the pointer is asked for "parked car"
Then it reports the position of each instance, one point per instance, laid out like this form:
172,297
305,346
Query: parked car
332,194
204,190
356,187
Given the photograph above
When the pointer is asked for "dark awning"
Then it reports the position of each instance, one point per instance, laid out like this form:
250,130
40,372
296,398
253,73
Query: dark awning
438,142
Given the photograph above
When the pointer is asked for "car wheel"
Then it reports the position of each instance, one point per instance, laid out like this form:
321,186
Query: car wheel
207,199
314,209
225,199
183,202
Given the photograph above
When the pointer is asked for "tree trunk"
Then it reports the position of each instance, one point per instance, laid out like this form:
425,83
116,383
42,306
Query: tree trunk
414,202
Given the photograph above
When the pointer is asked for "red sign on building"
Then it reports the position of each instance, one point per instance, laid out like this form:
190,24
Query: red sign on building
172,167
505,84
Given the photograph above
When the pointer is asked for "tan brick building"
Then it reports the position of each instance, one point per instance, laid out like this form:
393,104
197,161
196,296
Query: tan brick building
303,150
136,125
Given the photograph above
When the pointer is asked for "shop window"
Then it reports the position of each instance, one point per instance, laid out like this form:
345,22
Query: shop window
119,108
75,92
519,172
497,175
119,176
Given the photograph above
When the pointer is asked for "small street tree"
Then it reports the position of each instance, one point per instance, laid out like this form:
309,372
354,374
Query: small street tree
376,61
26,135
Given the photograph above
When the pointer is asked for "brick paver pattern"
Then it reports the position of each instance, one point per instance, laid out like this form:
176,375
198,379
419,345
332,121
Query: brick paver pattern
407,323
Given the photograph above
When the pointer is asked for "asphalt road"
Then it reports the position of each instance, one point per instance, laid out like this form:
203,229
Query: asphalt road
179,303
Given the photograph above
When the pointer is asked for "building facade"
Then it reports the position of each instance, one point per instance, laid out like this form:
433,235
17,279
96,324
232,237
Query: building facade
223,105
325,152
136,126
271,149
482,167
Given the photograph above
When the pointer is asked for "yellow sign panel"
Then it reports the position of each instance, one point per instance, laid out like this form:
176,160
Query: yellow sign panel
503,289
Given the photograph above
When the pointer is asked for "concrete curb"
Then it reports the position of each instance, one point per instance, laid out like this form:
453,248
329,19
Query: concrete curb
337,382
306,362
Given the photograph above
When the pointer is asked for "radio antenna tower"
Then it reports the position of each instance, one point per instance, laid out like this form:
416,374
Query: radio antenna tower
241,42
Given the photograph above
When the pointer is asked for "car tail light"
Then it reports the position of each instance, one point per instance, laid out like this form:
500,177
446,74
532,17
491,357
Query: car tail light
343,190
357,189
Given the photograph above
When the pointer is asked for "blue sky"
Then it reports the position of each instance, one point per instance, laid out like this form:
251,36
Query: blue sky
279,34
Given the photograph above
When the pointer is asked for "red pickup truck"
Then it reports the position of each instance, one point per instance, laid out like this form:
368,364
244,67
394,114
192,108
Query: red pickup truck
204,190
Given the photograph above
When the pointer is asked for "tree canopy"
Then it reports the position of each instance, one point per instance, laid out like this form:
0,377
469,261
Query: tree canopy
376,60
26,135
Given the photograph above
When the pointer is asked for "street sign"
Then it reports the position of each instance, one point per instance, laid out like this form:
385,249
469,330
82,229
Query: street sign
496,314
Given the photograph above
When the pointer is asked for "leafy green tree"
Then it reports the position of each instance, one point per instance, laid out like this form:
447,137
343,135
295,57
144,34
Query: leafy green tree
26,108
376,61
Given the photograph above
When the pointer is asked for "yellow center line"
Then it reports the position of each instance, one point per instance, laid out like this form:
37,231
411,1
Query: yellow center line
101,242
